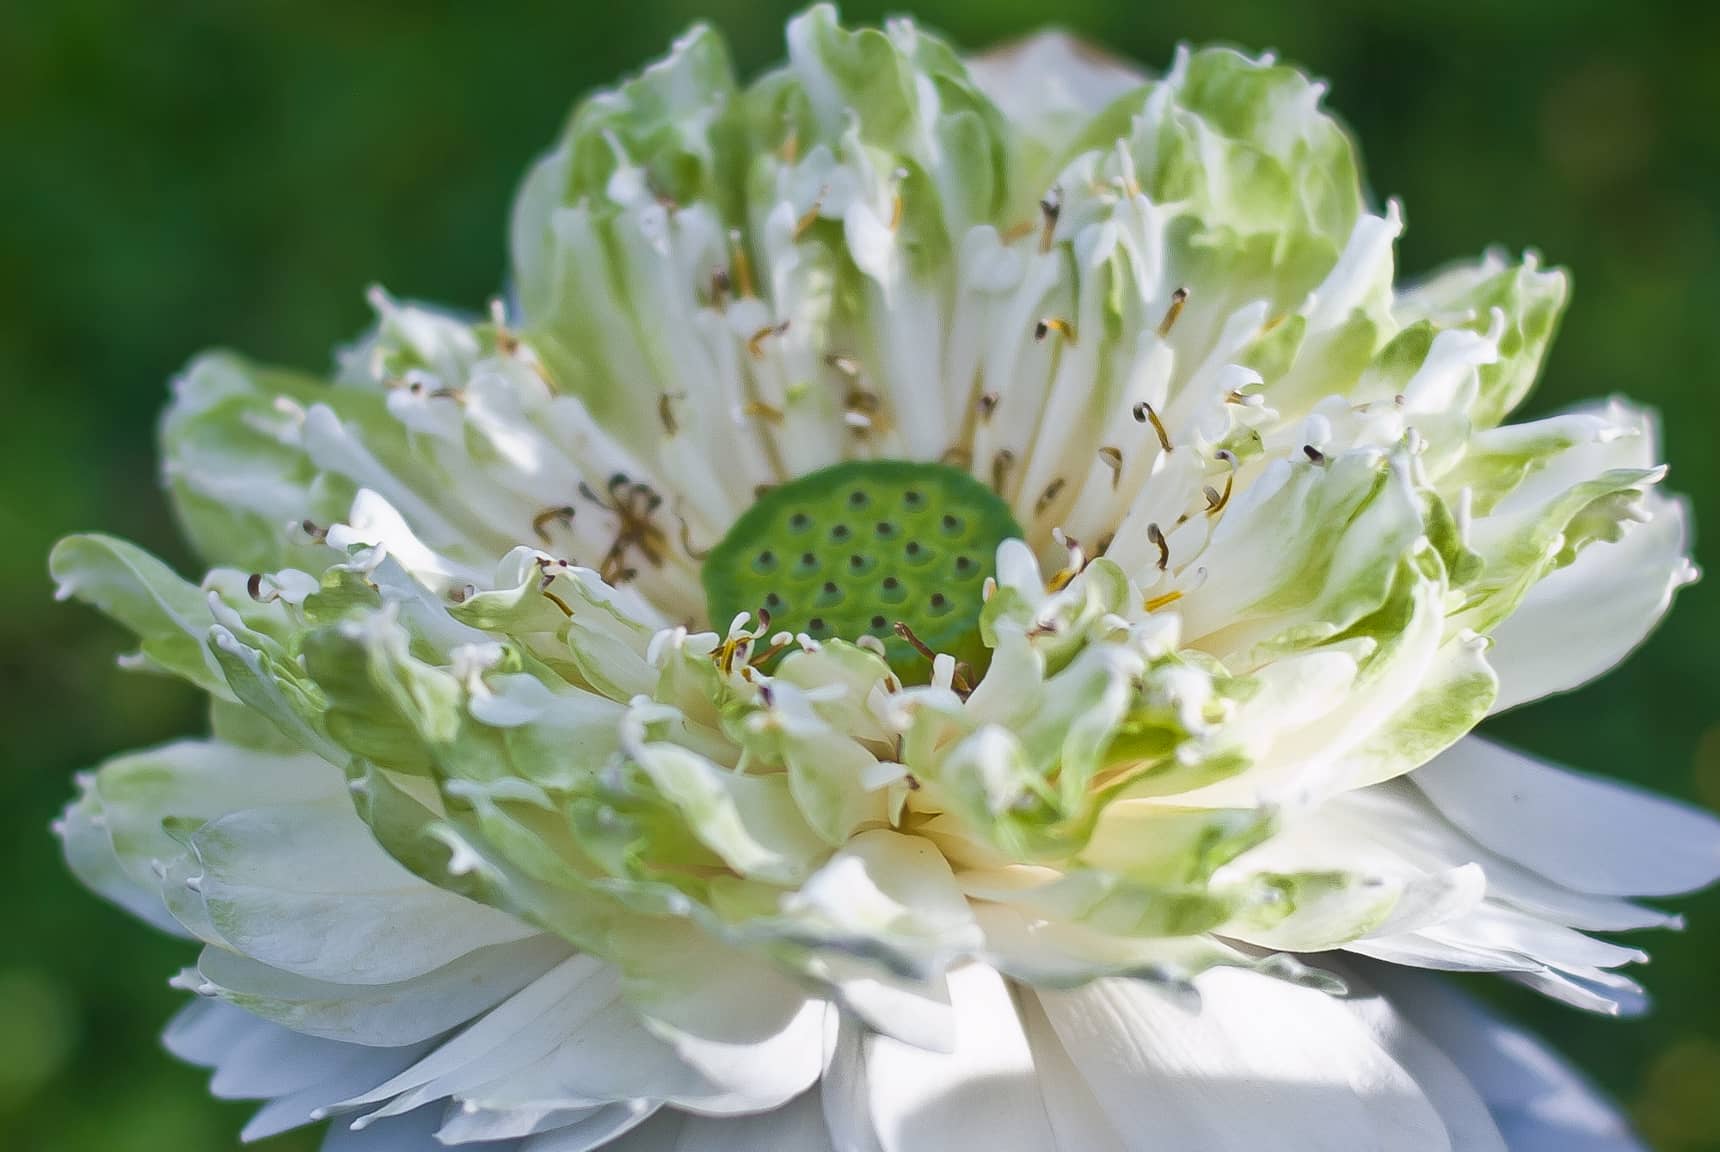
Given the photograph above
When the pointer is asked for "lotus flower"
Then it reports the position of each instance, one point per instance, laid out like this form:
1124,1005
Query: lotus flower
945,611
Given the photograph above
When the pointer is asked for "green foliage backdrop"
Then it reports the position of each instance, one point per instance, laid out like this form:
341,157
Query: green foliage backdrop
180,173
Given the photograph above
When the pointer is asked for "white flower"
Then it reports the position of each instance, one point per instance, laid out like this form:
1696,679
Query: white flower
946,614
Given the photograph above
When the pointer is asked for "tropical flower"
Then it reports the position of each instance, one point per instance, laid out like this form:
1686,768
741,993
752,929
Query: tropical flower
945,612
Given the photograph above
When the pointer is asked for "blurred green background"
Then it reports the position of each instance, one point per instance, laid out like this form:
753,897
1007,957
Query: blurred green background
181,174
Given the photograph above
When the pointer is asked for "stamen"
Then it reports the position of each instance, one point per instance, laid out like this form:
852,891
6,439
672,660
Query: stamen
987,404
720,287
1051,324
760,410
546,578
1052,491
506,342
742,267
1178,299
860,410
1215,501
810,216
1145,414
633,503
905,632
755,342
666,411
541,522
1164,601
1050,209
843,363
1314,455
900,175
1076,565
254,587
1157,537
1000,466
310,529
1112,458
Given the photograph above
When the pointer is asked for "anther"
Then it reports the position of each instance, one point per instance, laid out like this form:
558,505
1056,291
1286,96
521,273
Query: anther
810,216
1314,455
254,586
1000,467
1178,299
1164,601
755,342
760,410
1146,414
1050,209
914,642
742,267
1215,501
1051,324
986,404
1052,491
1112,458
687,544
1157,537
541,522
666,412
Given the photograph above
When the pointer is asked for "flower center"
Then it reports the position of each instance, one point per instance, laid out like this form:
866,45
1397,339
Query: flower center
859,548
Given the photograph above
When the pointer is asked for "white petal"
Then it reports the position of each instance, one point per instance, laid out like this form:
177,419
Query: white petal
204,1030
1584,832
1263,1064
306,888
1580,621
414,1133
357,1067
1539,1103
1050,74
1077,1120
299,1075
383,1015
595,1131
1467,1121
983,1095
797,1126
520,1031
896,889
468,1123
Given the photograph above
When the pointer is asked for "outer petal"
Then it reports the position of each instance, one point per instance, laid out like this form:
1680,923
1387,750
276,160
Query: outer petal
886,1095
1050,74
298,1075
1262,1064
1584,832
1538,1101
796,1127
1582,619
305,888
